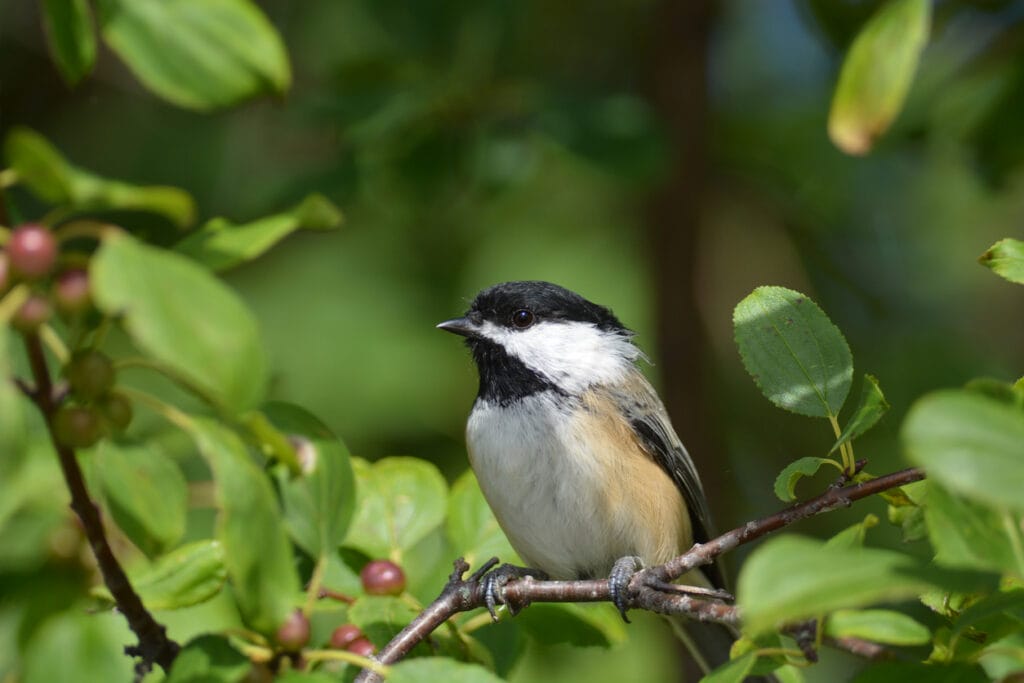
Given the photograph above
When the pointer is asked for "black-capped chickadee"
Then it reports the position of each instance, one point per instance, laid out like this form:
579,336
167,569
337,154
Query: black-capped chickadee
572,447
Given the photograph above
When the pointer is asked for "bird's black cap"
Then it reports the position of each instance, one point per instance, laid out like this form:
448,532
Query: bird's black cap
544,300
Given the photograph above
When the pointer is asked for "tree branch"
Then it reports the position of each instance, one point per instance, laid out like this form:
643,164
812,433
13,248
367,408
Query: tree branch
154,645
463,595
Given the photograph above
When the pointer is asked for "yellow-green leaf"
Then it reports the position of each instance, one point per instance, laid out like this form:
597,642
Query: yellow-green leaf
70,36
198,54
872,406
970,443
257,554
178,312
399,501
1006,259
220,244
186,576
877,74
791,577
146,493
877,625
51,177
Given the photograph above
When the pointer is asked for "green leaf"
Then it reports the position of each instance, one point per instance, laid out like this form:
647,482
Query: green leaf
1011,394
433,669
901,672
910,520
257,554
1004,658
74,646
70,37
209,659
175,310
853,536
381,617
797,357
54,180
878,626
997,621
320,500
1006,259
187,576
733,671
398,502
198,54
1008,604
790,673
971,444
785,483
220,244
792,577
293,676
872,406
966,534
579,625
877,74
472,529
946,602
146,493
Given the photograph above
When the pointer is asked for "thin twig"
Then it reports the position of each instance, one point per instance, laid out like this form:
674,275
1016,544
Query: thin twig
864,649
463,595
154,645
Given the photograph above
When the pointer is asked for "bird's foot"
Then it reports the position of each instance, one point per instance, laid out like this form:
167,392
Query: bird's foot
618,582
494,586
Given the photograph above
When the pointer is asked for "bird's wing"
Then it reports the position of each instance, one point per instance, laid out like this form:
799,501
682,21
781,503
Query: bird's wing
650,422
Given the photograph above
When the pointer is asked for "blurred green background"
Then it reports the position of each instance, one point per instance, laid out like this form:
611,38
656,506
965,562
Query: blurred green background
660,157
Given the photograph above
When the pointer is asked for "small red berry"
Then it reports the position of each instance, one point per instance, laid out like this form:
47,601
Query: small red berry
345,635
77,427
71,292
362,647
34,312
90,374
293,634
32,251
382,577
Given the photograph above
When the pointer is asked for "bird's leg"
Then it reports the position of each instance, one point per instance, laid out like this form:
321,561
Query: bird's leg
496,580
618,581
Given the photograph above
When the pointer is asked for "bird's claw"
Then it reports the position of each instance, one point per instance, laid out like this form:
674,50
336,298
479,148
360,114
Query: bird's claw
494,583
618,582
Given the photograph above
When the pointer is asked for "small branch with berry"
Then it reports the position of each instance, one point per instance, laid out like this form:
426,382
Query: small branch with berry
78,413
649,589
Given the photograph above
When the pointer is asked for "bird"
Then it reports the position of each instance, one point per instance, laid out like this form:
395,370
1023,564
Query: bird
574,450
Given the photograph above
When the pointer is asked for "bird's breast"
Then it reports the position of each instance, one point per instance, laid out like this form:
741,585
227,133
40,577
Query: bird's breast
570,486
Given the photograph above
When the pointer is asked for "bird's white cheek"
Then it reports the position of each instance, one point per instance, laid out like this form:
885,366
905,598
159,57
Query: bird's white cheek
573,356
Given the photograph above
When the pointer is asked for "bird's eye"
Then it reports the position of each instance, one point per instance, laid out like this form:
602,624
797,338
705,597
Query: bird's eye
522,318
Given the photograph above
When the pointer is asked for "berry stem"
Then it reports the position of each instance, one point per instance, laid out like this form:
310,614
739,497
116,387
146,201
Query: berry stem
345,656
177,377
154,645
8,178
53,342
315,581
12,301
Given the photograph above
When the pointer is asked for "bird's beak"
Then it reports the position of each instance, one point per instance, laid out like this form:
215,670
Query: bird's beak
463,326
